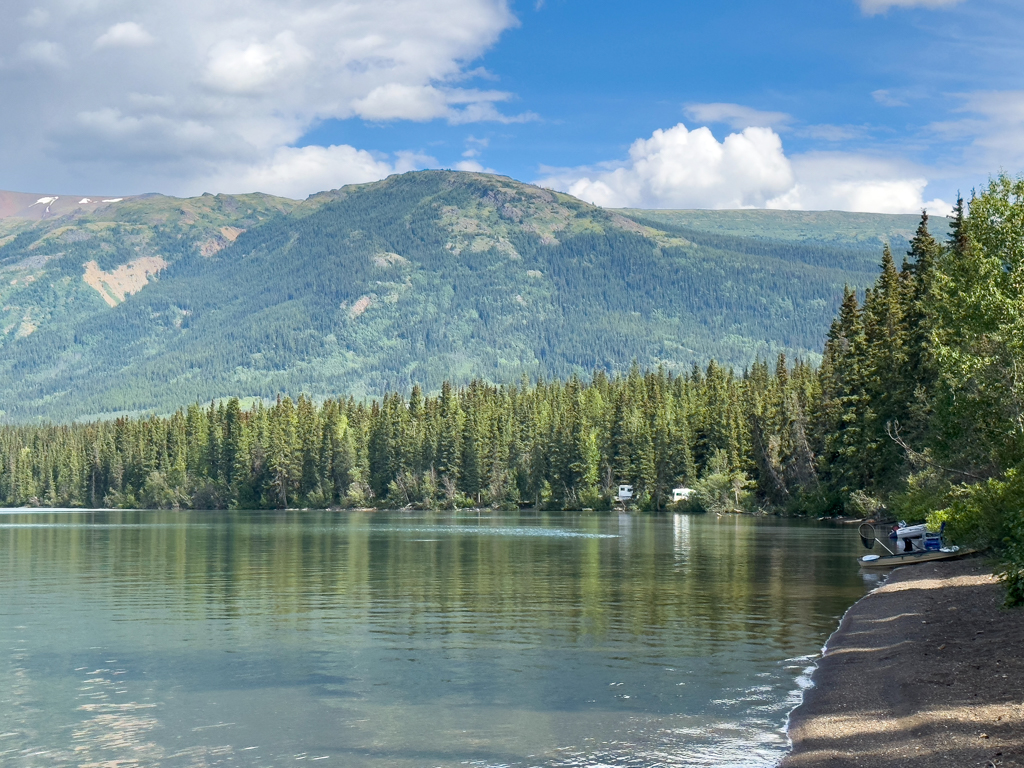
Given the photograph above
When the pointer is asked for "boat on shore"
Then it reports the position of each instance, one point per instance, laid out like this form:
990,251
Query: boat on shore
909,558
909,545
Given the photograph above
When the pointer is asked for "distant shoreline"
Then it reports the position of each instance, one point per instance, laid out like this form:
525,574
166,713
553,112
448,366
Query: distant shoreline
924,671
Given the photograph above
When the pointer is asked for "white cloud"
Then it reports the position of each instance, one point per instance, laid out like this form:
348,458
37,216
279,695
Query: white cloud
680,168
474,149
990,131
229,85
422,103
396,101
875,7
481,72
126,34
485,111
148,137
888,98
37,17
827,132
473,166
44,52
234,67
297,172
736,116
844,181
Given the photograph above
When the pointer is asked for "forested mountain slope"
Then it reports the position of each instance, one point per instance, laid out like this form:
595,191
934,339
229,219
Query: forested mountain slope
155,302
856,231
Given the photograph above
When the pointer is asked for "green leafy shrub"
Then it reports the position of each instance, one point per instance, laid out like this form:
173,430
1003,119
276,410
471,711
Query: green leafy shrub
157,493
863,504
990,515
926,492
722,489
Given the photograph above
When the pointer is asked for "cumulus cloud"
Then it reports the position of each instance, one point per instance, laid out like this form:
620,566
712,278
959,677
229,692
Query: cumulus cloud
842,181
474,166
681,168
875,7
127,34
297,171
210,86
736,116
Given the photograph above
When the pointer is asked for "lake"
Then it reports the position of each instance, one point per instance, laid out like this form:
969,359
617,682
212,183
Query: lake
410,639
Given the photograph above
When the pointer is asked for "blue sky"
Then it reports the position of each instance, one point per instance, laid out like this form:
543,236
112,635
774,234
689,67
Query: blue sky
860,104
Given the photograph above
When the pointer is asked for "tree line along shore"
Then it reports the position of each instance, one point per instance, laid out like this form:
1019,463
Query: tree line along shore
917,410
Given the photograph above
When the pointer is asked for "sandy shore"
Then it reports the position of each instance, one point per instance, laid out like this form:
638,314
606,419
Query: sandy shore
928,670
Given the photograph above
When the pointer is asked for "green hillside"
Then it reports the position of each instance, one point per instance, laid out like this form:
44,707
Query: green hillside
156,302
858,231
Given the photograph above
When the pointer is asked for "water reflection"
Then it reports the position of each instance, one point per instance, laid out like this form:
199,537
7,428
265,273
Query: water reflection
262,638
681,535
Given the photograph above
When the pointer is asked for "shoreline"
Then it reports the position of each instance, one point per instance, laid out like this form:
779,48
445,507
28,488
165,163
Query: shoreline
926,670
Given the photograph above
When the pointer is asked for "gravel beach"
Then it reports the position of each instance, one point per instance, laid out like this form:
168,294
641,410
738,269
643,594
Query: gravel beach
927,670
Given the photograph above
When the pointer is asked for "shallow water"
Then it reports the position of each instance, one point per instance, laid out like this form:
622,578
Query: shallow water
409,639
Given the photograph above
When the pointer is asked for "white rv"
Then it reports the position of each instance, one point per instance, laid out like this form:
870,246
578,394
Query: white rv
681,494
625,492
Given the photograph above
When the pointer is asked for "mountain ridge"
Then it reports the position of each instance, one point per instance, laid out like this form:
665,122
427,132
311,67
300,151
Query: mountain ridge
154,302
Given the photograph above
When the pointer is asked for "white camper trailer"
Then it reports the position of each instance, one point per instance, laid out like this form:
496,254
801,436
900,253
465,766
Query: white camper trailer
681,494
625,493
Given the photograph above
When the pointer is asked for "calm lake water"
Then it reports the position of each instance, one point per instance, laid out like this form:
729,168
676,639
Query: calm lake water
410,639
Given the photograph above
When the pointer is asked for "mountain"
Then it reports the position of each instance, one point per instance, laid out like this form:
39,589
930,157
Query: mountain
153,302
